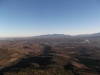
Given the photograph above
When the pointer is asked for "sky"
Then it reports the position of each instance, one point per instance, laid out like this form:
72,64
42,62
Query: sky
24,18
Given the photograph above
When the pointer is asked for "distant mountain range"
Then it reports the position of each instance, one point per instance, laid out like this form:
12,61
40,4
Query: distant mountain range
89,35
67,36
53,36
95,35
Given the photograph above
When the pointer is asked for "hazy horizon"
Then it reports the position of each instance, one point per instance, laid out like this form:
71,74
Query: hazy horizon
28,18
45,34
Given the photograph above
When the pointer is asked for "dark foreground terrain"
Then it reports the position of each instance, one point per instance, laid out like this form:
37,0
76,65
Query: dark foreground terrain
73,56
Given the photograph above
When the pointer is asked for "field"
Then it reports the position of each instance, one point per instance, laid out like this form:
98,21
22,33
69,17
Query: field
50,56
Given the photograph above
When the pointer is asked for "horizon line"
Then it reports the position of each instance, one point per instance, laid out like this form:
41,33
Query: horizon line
43,34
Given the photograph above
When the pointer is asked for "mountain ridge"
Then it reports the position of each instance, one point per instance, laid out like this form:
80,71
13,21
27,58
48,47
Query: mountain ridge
67,36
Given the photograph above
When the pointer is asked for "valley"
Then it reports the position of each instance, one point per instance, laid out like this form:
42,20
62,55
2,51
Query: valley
55,56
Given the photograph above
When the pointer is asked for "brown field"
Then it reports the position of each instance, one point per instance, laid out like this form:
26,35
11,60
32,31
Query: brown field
49,57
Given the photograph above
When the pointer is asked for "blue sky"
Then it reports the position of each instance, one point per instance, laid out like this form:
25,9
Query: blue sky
36,17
